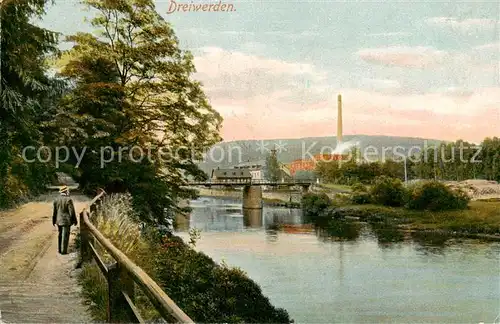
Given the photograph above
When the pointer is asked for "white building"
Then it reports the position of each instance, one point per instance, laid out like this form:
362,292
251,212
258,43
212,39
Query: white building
256,169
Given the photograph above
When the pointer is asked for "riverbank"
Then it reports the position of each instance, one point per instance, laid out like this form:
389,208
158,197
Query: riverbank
480,219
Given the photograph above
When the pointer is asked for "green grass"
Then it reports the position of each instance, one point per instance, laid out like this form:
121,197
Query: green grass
480,217
335,187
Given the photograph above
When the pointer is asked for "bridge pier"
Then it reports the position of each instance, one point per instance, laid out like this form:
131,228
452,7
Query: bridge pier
252,197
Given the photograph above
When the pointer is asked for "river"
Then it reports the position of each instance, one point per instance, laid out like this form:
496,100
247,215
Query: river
355,272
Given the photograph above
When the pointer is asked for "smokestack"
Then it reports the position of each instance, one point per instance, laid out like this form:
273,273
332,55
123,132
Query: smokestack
339,120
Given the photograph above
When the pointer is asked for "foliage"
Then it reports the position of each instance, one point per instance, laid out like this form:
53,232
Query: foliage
95,291
313,205
388,192
27,97
460,161
210,293
133,88
194,236
359,187
351,172
360,194
455,161
478,218
207,292
437,196
273,170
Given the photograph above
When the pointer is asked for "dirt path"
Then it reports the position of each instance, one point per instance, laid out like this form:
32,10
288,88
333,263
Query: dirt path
37,284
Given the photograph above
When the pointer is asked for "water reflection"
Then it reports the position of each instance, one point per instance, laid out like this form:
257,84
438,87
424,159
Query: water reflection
272,227
430,242
339,230
387,235
351,272
210,214
252,218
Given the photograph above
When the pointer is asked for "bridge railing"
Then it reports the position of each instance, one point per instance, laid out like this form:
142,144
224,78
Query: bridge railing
123,274
253,181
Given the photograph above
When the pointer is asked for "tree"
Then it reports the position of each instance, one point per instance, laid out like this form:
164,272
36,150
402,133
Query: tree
388,191
133,88
273,170
27,93
436,196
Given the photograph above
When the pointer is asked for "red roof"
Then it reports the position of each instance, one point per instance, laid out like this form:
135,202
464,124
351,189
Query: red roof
310,164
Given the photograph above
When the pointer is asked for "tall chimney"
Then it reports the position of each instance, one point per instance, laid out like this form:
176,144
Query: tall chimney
339,120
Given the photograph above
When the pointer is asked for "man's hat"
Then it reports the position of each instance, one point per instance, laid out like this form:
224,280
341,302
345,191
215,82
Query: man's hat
64,189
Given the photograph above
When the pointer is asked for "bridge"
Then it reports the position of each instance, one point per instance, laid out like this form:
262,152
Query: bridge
252,188
252,182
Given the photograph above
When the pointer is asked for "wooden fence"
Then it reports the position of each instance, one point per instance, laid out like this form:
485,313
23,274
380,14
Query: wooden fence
122,275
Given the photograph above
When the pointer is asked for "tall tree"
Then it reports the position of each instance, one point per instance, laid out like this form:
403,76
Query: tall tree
26,92
134,87
273,170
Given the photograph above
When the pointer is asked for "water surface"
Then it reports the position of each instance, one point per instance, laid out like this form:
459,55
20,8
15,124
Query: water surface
352,273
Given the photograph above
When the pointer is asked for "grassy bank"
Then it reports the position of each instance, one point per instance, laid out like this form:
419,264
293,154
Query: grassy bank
331,187
479,218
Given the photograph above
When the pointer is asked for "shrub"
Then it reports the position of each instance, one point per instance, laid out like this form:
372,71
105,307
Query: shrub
436,196
211,293
358,187
360,198
388,192
360,194
313,205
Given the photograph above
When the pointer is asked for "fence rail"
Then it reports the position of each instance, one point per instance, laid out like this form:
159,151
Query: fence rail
122,275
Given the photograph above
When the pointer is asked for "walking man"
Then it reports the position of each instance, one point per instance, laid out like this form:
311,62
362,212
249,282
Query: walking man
64,216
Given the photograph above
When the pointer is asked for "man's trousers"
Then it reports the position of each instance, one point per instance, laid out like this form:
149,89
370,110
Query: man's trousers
63,239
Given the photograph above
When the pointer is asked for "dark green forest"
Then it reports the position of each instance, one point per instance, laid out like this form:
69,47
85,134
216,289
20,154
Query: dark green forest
127,84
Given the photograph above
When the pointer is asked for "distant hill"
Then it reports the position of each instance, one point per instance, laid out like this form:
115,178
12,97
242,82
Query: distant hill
229,154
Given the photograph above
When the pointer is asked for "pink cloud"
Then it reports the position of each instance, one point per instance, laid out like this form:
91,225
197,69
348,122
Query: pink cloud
411,57
365,113
262,98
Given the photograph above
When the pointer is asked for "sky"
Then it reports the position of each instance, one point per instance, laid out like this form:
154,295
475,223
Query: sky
273,69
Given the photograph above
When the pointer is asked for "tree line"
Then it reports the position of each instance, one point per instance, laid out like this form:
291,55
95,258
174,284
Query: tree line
125,84
456,161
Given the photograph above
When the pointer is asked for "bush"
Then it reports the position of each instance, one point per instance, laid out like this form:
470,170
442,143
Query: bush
388,192
358,187
211,293
313,205
361,198
436,196
360,194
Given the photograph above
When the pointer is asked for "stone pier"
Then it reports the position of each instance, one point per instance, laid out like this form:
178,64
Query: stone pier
252,197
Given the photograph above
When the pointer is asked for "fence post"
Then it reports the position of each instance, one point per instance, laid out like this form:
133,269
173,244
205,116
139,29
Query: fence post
85,254
119,280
